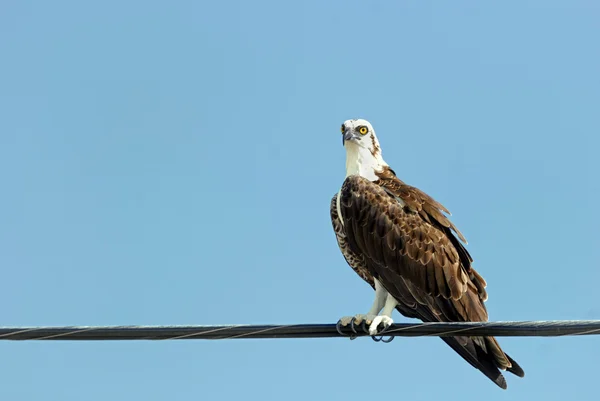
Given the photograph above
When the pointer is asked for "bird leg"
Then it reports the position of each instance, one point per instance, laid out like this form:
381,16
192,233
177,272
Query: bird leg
364,320
385,317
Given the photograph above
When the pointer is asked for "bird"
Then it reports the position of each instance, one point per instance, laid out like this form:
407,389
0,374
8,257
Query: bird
401,242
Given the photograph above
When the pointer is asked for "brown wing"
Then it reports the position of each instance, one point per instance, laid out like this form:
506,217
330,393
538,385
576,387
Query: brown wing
432,212
407,244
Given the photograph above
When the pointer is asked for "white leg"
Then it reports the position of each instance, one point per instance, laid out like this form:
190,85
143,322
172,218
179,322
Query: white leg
386,315
380,299
381,295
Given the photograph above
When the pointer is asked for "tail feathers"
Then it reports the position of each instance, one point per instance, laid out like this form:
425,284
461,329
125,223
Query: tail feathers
479,358
503,361
476,358
491,346
515,369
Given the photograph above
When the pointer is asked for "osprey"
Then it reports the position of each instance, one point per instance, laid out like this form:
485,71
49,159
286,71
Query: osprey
399,240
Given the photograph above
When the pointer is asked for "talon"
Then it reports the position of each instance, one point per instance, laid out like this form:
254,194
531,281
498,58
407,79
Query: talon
364,327
382,319
387,323
360,325
343,322
380,338
386,327
338,328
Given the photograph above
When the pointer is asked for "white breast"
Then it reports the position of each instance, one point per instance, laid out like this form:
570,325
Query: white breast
360,161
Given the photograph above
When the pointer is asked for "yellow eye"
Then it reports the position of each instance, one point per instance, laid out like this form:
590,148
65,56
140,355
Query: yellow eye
342,129
363,130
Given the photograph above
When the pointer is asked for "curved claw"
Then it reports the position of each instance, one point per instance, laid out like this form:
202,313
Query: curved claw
379,336
364,326
338,328
352,325
385,328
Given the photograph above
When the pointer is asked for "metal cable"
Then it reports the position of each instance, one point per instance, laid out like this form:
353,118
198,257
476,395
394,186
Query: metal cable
554,328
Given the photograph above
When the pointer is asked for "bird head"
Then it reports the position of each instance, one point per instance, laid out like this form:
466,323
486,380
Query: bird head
360,133
363,153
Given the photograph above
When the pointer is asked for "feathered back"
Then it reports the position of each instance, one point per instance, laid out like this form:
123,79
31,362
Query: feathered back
400,236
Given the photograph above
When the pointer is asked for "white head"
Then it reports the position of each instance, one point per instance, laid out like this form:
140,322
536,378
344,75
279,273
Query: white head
363,153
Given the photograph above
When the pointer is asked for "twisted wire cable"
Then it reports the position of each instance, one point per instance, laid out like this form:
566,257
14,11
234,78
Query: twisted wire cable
553,328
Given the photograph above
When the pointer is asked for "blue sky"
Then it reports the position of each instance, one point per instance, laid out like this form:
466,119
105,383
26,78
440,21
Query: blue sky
172,163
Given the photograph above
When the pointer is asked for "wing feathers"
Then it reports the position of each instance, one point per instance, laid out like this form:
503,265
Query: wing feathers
406,242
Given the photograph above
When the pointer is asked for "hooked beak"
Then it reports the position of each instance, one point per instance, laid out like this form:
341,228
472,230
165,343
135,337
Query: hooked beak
348,136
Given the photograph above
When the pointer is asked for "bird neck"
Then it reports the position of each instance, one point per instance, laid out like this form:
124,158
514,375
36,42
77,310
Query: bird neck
363,162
